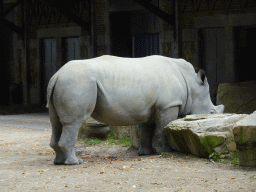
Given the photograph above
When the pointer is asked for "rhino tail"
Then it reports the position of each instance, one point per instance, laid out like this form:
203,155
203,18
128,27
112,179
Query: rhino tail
50,87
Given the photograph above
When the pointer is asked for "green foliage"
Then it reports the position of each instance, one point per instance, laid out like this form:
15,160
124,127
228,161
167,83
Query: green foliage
110,140
93,141
125,141
110,136
165,155
217,157
235,159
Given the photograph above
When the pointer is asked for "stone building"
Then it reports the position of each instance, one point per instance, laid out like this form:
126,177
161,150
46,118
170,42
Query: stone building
40,36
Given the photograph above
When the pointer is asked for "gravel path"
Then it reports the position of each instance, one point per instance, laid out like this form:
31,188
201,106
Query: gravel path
26,164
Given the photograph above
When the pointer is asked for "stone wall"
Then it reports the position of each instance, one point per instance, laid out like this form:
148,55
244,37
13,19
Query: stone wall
237,97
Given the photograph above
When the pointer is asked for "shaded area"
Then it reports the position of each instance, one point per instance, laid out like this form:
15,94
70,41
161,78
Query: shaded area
21,109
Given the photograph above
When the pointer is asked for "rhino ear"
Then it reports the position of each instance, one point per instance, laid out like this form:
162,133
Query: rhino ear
202,77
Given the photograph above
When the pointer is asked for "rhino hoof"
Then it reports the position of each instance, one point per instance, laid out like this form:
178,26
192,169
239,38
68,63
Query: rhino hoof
73,161
59,161
146,151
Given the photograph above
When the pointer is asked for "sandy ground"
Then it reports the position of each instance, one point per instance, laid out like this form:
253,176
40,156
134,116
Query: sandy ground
26,164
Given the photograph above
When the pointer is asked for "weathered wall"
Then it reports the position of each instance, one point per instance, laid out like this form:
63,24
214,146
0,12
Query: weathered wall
238,97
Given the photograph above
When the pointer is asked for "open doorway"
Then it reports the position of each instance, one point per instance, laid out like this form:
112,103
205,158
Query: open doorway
72,49
212,48
49,64
120,35
245,53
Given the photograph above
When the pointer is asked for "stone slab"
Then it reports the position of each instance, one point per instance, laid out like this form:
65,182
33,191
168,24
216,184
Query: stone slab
245,137
202,135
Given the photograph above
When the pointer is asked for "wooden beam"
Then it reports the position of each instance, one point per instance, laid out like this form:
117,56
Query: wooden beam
11,8
64,9
184,6
9,24
13,27
158,12
198,3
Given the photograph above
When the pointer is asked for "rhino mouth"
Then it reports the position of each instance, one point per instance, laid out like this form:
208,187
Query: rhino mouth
220,109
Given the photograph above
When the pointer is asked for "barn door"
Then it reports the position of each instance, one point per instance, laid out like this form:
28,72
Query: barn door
213,58
72,48
245,53
145,45
50,64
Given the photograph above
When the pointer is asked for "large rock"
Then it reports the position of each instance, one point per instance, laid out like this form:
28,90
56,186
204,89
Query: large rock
92,128
202,135
245,137
238,97
131,131
135,136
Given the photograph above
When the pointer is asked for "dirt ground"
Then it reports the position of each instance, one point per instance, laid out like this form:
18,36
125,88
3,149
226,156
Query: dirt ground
26,164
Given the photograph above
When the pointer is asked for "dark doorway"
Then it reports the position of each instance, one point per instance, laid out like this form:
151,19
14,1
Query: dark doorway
121,39
145,45
245,39
72,48
7,50
212,50
49,64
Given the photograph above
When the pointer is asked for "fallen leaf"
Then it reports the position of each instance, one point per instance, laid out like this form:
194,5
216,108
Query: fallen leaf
101,172
232,178
124,167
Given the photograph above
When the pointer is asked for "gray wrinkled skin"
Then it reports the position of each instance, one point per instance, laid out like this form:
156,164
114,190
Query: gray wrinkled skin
150,91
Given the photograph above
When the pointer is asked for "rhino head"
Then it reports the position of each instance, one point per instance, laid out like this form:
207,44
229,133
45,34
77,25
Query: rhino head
199,101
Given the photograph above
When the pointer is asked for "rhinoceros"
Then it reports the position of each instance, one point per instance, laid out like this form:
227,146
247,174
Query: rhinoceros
150,91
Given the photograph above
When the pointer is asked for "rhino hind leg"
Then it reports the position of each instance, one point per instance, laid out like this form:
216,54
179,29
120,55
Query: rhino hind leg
56,133
67,143
160,140
146,135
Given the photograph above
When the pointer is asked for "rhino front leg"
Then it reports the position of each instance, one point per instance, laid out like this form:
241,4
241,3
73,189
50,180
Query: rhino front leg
67,143
146,135
160,141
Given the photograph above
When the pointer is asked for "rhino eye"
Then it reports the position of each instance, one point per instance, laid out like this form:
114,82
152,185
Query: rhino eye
212,111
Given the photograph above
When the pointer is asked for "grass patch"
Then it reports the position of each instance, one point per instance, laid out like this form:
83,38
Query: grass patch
165,155
93,141
218,157
125,142
235,159
110,140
